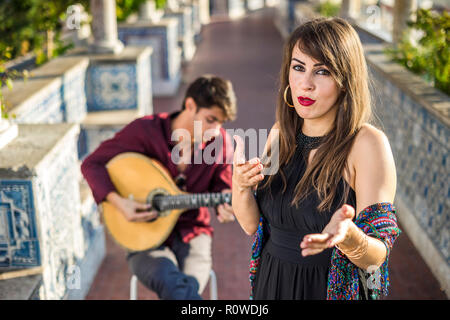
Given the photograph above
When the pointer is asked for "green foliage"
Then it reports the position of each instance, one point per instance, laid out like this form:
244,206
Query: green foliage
430,56
328,9
126,7
160,4
6,77
24,24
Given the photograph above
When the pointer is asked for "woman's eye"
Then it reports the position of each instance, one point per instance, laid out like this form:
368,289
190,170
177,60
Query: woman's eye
210,120
325,72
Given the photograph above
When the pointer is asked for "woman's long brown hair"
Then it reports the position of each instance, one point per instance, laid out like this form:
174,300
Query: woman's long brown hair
334,42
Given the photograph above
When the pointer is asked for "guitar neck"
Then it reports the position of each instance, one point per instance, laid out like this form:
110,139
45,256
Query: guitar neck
190,201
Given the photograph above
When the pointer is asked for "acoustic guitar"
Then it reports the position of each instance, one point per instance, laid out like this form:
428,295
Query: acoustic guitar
145,180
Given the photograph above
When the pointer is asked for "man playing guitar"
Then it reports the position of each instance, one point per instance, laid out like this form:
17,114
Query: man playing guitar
178,269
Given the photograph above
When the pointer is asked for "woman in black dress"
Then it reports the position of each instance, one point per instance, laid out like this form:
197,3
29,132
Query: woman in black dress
332,163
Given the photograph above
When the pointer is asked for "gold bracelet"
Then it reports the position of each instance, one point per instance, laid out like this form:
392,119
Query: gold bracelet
359,251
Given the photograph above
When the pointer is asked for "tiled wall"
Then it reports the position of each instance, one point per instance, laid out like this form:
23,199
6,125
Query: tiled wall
44,220
185,31
58,98
41,216
58,205
46,106
166,56
19,243
111,87
116,85
420,144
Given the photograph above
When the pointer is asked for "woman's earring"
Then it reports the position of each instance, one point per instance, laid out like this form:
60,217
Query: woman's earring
285,98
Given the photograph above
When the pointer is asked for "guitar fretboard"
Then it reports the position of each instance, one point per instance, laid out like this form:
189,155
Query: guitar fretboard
190,201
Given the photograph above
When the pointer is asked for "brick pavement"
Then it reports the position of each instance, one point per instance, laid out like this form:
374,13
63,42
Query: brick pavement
248,52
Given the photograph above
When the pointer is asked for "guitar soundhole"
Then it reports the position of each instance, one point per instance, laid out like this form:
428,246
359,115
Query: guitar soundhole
156,198
156,203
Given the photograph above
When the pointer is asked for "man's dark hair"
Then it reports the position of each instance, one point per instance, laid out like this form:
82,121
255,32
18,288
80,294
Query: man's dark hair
209,91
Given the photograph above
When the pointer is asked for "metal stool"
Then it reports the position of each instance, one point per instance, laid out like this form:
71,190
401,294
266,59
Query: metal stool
212,286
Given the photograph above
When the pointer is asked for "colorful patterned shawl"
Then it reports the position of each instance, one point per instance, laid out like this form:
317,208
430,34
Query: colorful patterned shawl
379,221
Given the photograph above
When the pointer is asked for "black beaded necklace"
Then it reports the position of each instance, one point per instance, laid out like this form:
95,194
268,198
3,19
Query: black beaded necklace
307,142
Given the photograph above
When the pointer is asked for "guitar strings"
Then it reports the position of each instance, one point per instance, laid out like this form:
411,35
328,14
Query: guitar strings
186,201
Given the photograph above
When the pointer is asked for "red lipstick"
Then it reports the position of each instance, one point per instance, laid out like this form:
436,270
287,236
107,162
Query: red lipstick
304,101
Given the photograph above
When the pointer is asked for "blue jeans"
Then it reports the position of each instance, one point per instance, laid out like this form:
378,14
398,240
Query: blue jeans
177,273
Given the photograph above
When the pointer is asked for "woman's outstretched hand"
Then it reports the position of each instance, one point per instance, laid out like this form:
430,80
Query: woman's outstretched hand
335,232
246,174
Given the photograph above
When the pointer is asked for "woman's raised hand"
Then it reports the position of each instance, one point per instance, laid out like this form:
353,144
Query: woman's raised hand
335,232
246,174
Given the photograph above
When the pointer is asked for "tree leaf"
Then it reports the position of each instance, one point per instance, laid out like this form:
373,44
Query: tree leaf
9,83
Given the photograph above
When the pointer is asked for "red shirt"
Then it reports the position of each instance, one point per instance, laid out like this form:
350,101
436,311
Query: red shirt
151,136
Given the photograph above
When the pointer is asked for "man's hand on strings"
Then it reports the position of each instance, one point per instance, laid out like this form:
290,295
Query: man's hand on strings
225,211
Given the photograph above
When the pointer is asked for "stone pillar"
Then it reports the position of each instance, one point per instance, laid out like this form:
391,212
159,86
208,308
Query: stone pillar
104,27
404,10
172,5
254,4
196,22
204,11
236,8
350,9
149,12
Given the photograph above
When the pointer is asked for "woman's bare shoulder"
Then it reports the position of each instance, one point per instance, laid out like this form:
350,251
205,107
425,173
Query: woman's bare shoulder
369,142
370,137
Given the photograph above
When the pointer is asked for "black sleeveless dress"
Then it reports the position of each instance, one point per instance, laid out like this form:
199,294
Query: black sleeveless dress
284,274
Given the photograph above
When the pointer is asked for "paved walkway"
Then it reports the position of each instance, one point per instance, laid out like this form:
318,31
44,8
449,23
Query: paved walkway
248,52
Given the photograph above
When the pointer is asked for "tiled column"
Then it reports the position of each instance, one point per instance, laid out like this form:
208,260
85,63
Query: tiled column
118,90
120,81
104,27
162,36
40,221
185,32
